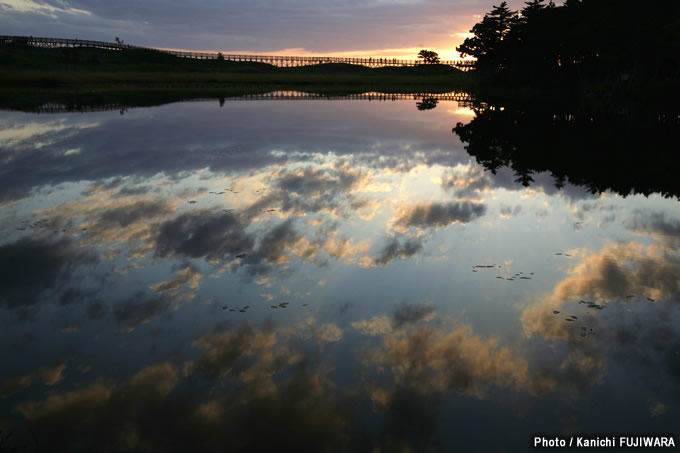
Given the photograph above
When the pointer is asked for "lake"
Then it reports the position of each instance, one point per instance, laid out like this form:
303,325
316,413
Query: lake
329,275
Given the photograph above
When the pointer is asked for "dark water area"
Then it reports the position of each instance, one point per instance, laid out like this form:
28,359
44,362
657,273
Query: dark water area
336,275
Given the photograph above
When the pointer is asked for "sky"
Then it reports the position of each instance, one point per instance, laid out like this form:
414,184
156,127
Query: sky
383,28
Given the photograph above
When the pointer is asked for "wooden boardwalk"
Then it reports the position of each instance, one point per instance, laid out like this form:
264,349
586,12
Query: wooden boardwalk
276,60
463,99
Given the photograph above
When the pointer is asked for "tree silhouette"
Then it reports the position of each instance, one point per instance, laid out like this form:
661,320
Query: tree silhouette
427,103
428,56
589,44
623,152
489,43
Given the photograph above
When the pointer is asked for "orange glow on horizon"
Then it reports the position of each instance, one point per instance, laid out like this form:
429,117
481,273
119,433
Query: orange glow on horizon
407,53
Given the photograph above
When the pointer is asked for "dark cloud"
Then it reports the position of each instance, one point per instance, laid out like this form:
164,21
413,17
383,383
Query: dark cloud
202,234
188,274
128,214
343,307
657,223
509,211
312,190
139,309
409,314
96,310
395,248
72,295
273,244
28,267
13,385
131,191
433,214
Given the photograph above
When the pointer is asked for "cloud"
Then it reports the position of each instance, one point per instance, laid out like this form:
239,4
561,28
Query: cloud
621,269
13,385
411,313
50,376
133,211
96,310
328,332
103,413
29,6
29,267
72,295
202,234
274,243
378,325
403,316
394,248
189,274
437,215
311,189
234,352
658,224
257,26
509,211
431,359
141,308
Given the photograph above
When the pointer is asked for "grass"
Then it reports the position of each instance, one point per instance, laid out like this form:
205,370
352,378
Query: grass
101,70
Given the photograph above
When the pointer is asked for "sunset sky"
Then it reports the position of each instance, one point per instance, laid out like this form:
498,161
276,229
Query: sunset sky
383,28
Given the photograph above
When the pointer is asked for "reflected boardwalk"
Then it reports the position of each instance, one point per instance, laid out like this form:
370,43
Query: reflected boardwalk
463,99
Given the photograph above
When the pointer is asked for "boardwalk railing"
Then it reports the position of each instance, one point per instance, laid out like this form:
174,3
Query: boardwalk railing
463,100
276,60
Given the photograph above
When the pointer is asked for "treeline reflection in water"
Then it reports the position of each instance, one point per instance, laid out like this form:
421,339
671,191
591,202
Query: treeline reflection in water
336,276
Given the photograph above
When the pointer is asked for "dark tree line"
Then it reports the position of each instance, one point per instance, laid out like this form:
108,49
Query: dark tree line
592,40
624,152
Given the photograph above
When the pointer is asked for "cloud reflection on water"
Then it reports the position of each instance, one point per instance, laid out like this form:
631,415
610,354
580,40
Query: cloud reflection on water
145,247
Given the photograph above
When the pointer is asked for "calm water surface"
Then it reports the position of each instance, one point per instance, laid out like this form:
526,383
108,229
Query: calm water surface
326,276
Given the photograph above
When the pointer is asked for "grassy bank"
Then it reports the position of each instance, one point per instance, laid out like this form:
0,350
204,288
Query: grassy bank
104,70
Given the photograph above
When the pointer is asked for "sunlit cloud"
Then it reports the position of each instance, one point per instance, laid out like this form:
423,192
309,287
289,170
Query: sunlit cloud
29,6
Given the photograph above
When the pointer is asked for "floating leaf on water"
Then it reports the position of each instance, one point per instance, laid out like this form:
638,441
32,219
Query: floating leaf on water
650,299
242,310
575,317
498,276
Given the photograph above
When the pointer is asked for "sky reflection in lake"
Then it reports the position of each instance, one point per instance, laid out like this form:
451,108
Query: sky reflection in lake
326,275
